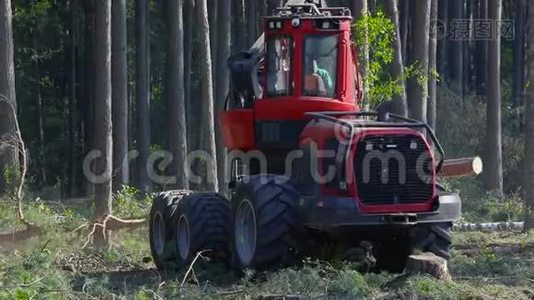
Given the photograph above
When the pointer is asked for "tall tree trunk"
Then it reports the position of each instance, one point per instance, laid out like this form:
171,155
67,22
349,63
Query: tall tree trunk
493,172
103,128
443,40
190,104
466,48
252,21
432,56
207,115
397,65
222,82
360,10
188,14
72,167
519,57
482,53
8,103
212,19
418,88
405,28
143,93
241,39
175,102
456,55
119,81
529,127
89,81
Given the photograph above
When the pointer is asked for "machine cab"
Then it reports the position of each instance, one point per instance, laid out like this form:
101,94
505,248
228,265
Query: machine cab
304,62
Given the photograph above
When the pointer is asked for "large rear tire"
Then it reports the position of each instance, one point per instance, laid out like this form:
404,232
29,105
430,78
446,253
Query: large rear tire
201,224
160,232
264,223
435,238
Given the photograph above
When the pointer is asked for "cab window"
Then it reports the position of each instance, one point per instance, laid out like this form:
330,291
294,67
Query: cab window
279,66
320,65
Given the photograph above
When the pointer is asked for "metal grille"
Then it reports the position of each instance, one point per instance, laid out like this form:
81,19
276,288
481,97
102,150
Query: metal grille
393,169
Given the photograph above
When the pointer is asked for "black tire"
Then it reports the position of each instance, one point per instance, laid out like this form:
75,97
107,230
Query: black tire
204,217
393,255
271,202
160,231
435,238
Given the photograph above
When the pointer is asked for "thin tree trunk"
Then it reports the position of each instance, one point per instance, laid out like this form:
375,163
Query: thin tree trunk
466,48
223,82
190,104
251,21
493,170
456,55
432,55
207,115
418,87
212,18
40,125
360,10
241,35
519,57
103,129
482,52
405,28
119,94
89,81
72,101
529,127
188,14
8,156
143,93
443,40
175,102
397,65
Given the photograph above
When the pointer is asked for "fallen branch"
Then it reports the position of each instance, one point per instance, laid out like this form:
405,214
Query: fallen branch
18,144
110,223
199,255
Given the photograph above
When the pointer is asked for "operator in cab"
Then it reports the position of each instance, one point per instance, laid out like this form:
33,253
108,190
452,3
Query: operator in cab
317,81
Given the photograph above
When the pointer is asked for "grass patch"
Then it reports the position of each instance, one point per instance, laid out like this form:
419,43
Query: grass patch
53,266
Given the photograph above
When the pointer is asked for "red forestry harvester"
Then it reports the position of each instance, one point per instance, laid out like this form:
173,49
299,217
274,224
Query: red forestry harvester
308,167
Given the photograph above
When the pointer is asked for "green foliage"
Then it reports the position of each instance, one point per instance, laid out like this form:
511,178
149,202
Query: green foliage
378,40
130,202
31,276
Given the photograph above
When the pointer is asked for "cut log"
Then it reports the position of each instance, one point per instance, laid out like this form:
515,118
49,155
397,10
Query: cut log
21,235
461,167
428,263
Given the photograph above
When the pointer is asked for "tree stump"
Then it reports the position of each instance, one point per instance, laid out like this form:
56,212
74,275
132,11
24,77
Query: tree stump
428,263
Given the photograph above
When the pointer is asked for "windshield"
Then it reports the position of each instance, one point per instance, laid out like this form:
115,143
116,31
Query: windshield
320,65
279,66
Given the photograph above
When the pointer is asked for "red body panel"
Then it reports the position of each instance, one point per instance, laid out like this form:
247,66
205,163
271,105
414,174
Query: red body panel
237,129
320,132
289,108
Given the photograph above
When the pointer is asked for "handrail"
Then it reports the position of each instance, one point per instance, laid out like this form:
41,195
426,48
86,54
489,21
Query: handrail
407,123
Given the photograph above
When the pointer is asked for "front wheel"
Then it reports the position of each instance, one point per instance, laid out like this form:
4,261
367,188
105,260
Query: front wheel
264,223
